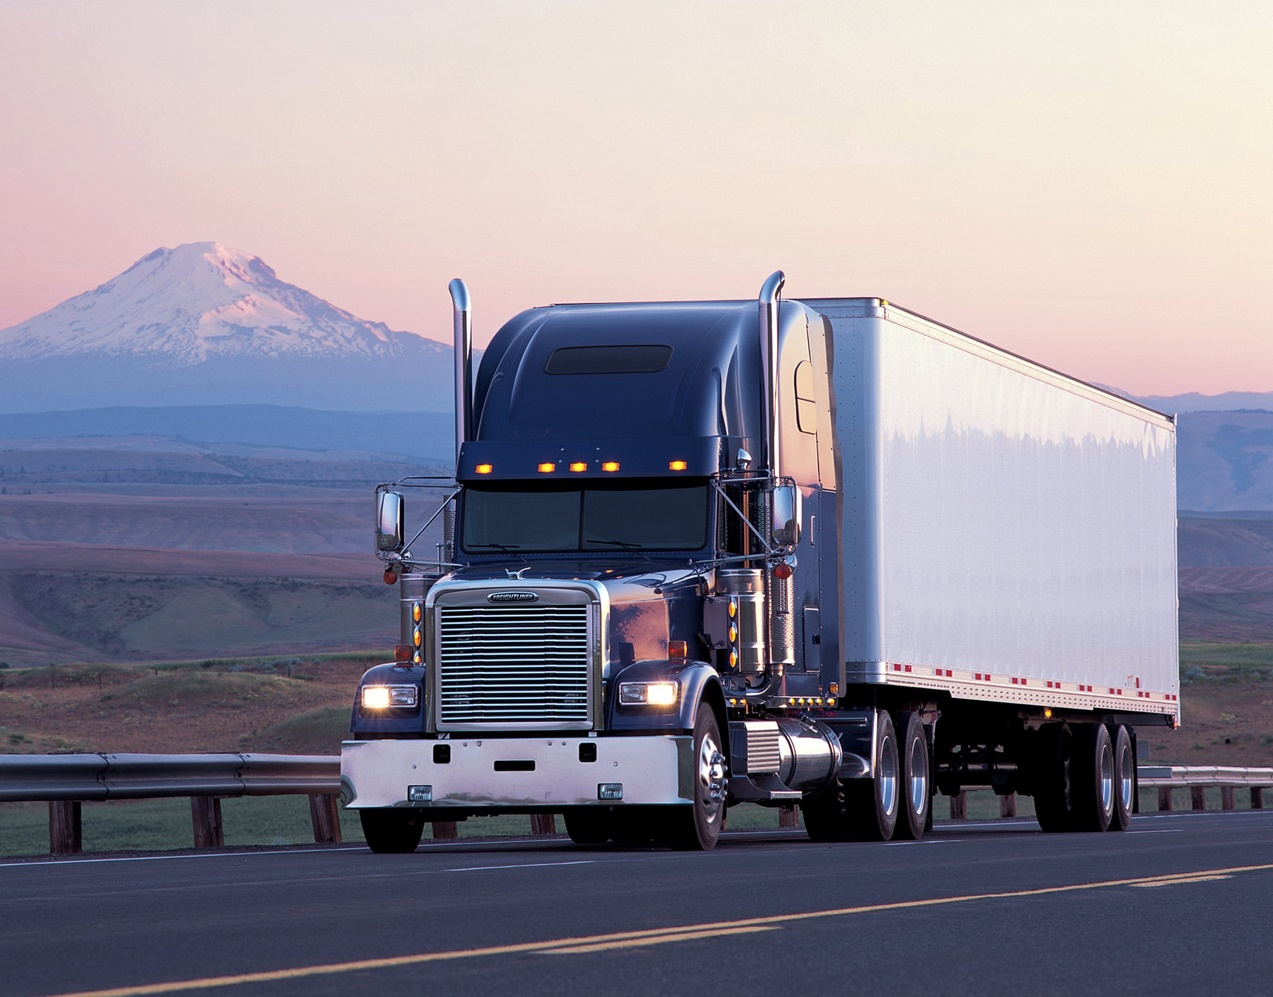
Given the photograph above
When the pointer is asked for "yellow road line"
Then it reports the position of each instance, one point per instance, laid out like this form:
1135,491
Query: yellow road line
651,936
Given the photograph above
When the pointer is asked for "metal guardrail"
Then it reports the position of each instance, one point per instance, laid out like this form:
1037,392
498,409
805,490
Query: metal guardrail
66,781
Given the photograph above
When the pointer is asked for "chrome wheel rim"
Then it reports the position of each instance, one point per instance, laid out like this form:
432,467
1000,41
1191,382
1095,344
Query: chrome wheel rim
887,777
711,778
918,768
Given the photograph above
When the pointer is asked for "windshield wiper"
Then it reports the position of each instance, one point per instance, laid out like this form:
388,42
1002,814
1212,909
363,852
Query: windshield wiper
631,548
504,548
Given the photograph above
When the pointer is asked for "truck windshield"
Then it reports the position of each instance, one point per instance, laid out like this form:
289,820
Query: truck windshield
520,516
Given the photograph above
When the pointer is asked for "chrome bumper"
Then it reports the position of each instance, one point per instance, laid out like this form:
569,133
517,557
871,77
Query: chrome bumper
489,775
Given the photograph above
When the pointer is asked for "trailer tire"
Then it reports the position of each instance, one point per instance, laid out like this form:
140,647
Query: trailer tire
916,776
1124,779
588,825
390,830
697,827
1092,770
1051,777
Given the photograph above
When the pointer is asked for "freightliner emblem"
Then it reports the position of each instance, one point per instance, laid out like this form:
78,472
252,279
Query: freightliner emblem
513,597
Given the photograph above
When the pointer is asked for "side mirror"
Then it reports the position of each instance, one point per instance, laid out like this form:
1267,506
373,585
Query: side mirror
786,515
391,517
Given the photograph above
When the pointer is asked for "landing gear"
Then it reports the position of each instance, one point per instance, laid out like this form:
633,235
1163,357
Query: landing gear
392,829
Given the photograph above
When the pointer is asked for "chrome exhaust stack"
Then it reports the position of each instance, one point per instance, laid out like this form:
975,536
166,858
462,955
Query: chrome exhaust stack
768,309
463,364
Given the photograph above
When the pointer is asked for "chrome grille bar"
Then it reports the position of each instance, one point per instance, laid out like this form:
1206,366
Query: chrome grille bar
513,666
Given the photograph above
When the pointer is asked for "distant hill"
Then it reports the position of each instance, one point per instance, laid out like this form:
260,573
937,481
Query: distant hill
1225,461
427,436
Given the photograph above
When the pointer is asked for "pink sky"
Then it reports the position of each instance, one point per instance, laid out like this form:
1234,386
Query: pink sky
1084,183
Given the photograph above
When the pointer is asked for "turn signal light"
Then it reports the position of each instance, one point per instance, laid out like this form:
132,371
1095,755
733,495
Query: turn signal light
677,649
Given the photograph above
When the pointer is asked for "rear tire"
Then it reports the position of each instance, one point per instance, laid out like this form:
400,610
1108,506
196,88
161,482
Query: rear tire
392,829
916,780
1092,772
861,809
1053,799
1124,779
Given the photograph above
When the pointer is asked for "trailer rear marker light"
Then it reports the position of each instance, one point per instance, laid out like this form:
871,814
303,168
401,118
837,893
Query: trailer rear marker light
547,467
677,465
484,468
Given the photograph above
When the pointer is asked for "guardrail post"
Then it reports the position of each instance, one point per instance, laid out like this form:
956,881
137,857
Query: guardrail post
445,829
324,815
543,825
1008,805
1257,798
66,827
959,806
205,815
1198,795
1226,797
1164,798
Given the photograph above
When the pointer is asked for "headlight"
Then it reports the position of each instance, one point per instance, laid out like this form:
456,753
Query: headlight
382,697
648,693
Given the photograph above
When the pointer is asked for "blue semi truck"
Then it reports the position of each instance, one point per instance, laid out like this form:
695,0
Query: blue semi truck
825,553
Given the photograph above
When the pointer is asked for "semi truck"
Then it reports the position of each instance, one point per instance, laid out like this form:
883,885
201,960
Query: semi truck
824,553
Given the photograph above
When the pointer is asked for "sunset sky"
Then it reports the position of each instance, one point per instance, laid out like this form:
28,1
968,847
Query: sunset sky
1090,184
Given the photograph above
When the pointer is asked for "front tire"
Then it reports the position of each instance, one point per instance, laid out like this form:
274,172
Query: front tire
392,829
697,828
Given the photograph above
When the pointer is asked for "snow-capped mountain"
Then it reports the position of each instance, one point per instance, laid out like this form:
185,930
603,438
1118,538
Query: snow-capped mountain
203,324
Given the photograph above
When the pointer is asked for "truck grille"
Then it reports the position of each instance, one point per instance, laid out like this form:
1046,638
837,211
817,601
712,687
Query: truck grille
513,666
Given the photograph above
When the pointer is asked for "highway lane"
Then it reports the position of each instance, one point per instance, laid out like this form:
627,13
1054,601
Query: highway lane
1178,905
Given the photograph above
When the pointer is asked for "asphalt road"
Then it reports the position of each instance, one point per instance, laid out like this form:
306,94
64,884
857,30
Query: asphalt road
1181,904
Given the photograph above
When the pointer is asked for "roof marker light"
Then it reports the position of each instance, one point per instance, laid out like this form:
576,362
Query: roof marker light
484,468
677,465
547,467
578,466
610,465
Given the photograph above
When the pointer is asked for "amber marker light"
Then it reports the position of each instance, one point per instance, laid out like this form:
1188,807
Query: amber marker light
484,468
578,466
610,465
677,649
547,467
677,465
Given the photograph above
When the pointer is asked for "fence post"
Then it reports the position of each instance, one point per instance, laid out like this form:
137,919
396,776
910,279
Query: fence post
445,829
324,815
205,815
787,816
66,827
543,825
959,806
1257,798
1008,805
1198,795
1164,798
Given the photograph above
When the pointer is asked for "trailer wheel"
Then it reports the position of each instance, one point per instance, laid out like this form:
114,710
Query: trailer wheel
697,828
916,780
1124,780
1053,799
588,825
1092,771
392,829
